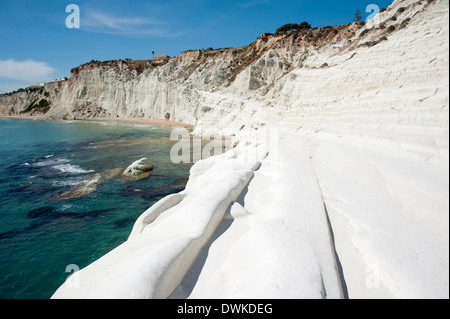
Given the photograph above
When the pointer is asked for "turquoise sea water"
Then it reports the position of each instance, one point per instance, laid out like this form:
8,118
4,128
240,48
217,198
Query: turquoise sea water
42,233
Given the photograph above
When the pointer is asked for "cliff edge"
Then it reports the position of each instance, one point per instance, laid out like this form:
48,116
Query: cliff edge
347,199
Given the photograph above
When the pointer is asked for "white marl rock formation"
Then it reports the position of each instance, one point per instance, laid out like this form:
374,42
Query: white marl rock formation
351,199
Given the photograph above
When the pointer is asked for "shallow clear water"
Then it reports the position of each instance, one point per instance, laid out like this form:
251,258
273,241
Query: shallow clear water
42,233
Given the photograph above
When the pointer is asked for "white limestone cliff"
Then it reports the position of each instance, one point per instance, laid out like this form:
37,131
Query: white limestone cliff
350,199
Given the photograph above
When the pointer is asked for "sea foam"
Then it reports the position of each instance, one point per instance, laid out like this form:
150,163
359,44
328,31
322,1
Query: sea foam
71,169
51,162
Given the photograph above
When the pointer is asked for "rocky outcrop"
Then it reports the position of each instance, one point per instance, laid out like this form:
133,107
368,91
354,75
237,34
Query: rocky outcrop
90,184
140,169
280,79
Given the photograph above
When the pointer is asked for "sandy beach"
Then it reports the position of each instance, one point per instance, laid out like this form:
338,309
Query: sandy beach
28,117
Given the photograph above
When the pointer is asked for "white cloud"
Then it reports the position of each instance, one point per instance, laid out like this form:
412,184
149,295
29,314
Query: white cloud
104,23
28,70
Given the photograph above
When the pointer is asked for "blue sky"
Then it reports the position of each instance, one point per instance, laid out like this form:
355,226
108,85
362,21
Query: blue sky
36,45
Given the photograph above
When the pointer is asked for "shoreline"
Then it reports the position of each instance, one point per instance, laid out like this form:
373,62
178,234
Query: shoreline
130,120
141,121
19,117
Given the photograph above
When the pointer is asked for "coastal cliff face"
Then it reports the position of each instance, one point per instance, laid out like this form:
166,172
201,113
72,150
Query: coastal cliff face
350,202
350,74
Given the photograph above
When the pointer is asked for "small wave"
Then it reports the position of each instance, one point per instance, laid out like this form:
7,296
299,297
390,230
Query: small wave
66,207
51,162
49,156
71,169
90,146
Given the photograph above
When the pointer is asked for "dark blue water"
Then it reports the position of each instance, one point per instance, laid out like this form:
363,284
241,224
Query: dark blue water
42,233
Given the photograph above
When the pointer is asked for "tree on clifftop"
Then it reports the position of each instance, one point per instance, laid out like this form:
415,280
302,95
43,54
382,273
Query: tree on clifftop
292,27
304,25
286,28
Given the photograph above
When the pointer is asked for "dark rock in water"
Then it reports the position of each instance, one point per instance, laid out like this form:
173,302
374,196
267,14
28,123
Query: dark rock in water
35,225
43,215
51,213
88,214
161,192
21,169
124,222
154,192
5,180
29,192
19,188
43,212
140,169
11,233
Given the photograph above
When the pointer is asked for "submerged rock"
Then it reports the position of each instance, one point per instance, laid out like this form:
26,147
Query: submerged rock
140,169
90,185
43,212
87,187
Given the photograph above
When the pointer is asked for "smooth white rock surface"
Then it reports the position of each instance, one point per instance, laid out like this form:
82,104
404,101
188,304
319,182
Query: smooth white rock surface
366,137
